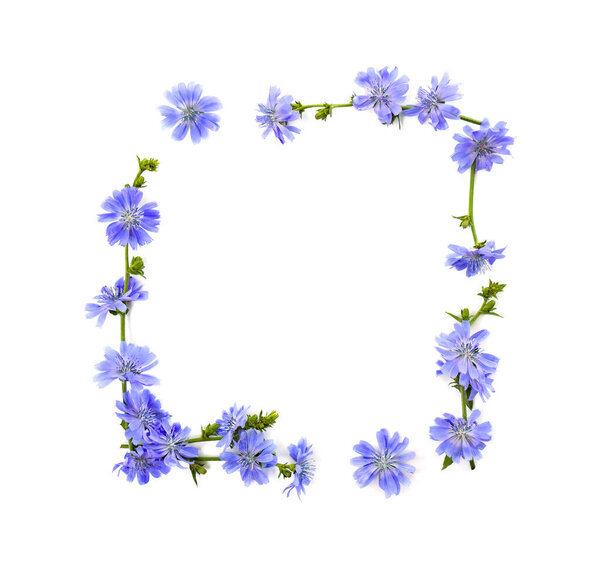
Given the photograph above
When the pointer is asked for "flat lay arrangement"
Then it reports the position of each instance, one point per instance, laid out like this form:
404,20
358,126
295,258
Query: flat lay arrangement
155,444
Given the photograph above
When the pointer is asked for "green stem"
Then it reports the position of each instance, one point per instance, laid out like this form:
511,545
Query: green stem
321,105
476,315
190,441
463,117
463,403
124,424
208,459
469,119
201,439
471,195
127,275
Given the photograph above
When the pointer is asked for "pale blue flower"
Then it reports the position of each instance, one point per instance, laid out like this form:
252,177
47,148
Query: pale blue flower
277,114
388,463
301,454
461,438
385,93
432,103
190,112
252,455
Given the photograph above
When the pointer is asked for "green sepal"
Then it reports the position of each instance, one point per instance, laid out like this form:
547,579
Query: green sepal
447,462
119,312
465,221
464,313
140,182
286,470
469,401
297,106
210,430
148,164
197,468
492,290
136,266
261,422
480,244
324,112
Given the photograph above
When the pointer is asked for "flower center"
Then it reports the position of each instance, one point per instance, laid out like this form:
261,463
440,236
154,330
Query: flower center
305,468
248,459
468,350
141,462
379,92
147,416
129,366
461,430
429,99
384,461
479,261
131,218
171,444
190,113
483,148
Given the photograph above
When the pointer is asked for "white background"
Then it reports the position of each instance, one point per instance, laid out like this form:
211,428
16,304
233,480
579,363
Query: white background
308,278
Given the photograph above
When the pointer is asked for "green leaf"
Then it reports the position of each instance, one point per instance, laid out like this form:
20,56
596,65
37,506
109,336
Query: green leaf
447,462
454,317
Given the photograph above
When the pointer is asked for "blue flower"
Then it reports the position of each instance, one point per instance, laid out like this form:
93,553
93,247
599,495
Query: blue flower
129,222
385,94
277,114
388,463
482,147
112,299
464,356
433,103
476,260
251,455
192,112
130,364
141,464
142,411
460,438
171,444
229,422
305,467
482,387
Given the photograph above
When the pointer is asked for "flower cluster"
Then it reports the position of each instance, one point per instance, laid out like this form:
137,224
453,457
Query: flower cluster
464,360
156,444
